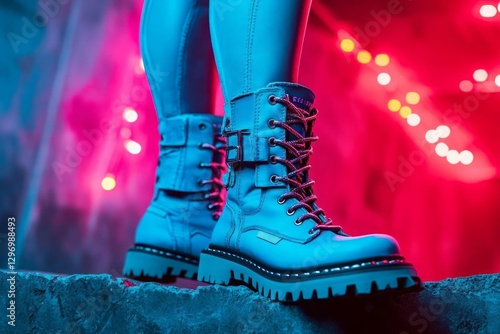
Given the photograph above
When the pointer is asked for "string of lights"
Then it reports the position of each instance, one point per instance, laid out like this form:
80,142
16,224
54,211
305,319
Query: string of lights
405,108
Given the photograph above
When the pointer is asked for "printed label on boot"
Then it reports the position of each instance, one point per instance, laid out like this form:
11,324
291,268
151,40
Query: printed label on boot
301,102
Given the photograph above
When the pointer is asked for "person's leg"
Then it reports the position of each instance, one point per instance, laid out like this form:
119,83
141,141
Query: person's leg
257,42
178,58
189,194
272,235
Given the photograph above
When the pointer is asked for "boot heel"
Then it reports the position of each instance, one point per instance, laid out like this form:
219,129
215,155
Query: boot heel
148,264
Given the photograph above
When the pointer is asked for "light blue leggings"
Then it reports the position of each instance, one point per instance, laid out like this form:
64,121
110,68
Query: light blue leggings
255,42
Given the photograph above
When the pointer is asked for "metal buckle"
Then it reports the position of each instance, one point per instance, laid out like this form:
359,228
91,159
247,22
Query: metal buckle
238,148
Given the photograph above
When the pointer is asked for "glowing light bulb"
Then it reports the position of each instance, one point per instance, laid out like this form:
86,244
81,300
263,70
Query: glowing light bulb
442,149
364,57
382,60
130,115
497,79
480,75
394,105
465,86
413,120
488,11
405,112
453,157
443,131
384,79
108,182
412,98
133,147
347,45
431,136
466,157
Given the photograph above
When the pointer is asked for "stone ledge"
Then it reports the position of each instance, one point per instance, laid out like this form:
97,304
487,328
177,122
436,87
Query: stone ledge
104,304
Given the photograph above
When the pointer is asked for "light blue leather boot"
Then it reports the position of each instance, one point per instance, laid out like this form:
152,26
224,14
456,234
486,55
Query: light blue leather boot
272,236
189,197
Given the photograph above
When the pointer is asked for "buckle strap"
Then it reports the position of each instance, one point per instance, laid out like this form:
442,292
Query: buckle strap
242,146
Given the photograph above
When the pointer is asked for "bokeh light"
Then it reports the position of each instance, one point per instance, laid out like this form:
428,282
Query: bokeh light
364,57
125,133
132,146
394,105
130,115
347,45
466,157
480,75
413,120
384,79
453,157
108,182
497,80
442,149
405,111
431,136
465,86
382,59
443,131
412,97
488,11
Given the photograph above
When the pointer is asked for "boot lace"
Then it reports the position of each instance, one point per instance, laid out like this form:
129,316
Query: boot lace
299,150
216,195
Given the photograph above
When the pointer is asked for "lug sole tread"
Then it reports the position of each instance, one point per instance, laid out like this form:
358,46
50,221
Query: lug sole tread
149,266
383,279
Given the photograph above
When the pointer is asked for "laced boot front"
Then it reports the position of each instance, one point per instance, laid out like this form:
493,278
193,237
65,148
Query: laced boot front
272,235
188,200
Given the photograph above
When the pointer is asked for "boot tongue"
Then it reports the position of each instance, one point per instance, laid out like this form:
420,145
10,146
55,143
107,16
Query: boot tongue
301,96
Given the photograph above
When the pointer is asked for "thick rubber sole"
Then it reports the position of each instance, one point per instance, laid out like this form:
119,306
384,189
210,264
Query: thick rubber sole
150,264
356,279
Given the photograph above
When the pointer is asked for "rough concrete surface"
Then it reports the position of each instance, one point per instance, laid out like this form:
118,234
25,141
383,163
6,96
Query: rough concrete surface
104,304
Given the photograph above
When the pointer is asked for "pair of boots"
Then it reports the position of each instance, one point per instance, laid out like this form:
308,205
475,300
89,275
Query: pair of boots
270,235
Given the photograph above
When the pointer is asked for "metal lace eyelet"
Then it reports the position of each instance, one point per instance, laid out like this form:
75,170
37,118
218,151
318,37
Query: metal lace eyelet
290,212
298,222
272,141
272,159
271,124
202,126
281,200
271,99
273,178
